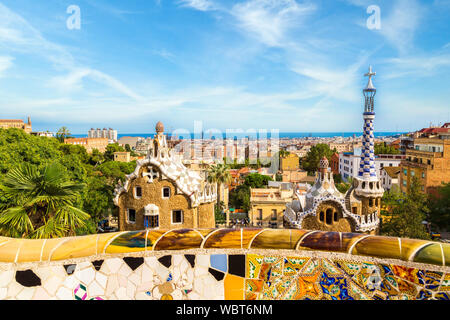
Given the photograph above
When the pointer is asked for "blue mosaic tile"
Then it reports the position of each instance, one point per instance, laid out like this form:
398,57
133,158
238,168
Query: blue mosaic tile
219,262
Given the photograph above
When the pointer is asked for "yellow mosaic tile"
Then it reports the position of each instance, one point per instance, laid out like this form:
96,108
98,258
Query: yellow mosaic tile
234,287
153,236
431,253
410,246
49,247
104,239
224,238
247,236
31,251
278,239
179,240
131,241
254,262
76,248
446,249
377,246
4,240
8,251
205,232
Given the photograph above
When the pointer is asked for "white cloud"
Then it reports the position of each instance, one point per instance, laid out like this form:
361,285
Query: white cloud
20,36
400,25
201,5
270,20
5,63
418,66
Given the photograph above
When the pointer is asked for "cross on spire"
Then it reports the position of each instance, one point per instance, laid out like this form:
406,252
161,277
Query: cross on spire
370,74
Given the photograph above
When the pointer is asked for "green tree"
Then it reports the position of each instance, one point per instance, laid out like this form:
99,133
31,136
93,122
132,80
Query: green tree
96,157
63,133
344,186
220,175
311,161
406,212
440,208
41,203
240,197
383,148
110,149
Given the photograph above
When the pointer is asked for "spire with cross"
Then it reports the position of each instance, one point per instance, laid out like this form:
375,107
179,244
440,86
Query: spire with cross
369,92
370,74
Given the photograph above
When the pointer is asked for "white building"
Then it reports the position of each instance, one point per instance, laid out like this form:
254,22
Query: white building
349,163
110,134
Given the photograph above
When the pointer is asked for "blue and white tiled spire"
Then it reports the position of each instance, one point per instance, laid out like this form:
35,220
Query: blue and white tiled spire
368,184
367,169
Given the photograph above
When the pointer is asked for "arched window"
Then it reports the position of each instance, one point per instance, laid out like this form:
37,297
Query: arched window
335,216
370,202
321,216
329,216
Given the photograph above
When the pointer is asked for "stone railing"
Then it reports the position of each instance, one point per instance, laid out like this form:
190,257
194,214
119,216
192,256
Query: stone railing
247,263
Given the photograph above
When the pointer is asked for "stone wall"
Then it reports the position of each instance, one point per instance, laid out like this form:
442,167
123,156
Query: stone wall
224,264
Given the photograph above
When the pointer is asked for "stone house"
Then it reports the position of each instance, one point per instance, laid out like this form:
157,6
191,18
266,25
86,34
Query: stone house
163,194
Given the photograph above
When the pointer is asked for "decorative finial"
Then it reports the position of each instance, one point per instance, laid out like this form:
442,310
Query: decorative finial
159,127
370,74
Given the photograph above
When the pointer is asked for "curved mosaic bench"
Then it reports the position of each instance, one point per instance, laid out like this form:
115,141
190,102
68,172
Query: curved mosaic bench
232,264
421,251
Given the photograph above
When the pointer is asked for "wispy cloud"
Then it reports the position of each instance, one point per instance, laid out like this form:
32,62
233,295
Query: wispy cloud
418,66
270,20
19,36
6,62
201,5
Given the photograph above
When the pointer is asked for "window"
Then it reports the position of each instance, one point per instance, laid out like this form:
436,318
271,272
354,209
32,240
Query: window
354,210
321,216
131,216
404,183
151,222
274,214
138,192
166,192
260,217
405,172
329,216
423,175
335,218
413,173
370,202
177,216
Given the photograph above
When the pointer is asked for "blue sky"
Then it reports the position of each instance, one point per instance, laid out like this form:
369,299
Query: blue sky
263,64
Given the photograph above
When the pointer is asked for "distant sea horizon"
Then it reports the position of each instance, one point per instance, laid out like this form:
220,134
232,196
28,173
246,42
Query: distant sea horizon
281,135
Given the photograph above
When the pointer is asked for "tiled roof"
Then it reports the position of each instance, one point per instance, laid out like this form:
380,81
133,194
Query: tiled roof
393,172
13,120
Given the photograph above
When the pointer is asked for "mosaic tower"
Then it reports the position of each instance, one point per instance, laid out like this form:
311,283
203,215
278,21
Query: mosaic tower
367,183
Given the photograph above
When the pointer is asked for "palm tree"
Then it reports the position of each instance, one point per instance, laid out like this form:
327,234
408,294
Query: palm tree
62,133
40,203
220,175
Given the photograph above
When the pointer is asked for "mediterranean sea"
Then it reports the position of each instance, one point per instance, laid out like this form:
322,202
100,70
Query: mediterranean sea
286,135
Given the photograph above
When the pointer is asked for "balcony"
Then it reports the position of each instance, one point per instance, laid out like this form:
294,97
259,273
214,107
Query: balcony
422,153
414,164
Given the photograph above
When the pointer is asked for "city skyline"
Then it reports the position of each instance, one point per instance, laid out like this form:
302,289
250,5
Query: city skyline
295,66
